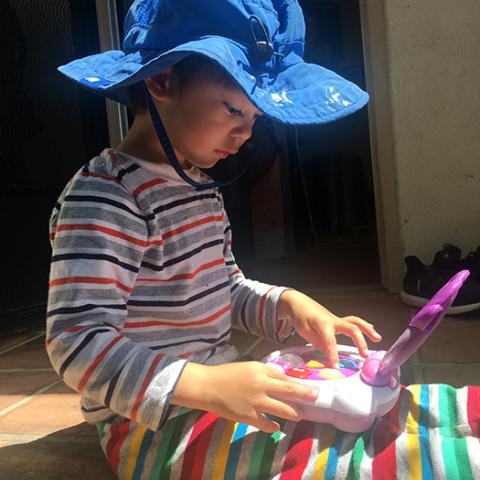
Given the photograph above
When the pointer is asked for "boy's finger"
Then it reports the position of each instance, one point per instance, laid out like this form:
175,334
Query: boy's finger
373,334
265,425
282,410
359,340
291,389
276,373
367,328
330,348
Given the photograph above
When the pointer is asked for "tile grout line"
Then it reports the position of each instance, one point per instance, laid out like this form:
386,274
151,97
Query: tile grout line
252,347
25,400
17,438
28,340
29,370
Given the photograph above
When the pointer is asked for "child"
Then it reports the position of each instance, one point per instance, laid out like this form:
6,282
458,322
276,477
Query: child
144,289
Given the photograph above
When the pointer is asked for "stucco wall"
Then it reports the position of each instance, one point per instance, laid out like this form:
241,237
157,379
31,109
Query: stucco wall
433,61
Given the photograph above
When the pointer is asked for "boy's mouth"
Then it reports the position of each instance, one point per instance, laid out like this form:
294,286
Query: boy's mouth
225,153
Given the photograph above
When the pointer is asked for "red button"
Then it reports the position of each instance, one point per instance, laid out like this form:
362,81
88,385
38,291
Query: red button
298,372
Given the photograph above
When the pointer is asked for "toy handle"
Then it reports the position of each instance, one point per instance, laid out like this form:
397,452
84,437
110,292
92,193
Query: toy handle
409,342
379,366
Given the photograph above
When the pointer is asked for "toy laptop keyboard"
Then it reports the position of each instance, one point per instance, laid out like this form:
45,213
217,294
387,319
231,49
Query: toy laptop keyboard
361,390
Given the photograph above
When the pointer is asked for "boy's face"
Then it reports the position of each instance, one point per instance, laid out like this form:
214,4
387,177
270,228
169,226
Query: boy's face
206,121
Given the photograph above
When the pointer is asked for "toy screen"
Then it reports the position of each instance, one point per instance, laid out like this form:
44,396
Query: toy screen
310,366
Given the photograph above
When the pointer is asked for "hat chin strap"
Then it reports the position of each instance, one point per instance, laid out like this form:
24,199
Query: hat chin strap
168,149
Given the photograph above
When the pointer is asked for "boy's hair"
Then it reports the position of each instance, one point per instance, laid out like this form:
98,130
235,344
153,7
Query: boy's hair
186,70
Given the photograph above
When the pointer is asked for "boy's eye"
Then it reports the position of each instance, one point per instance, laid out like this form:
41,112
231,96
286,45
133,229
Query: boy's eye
233,110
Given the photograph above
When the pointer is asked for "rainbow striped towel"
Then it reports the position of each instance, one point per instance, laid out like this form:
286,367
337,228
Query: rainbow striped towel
431,433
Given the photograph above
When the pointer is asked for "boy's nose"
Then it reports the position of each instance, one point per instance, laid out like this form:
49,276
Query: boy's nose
243,130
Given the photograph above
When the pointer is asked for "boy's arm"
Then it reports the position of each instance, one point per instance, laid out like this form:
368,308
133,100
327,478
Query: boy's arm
244,392
276,313
98,242
254,304
319,326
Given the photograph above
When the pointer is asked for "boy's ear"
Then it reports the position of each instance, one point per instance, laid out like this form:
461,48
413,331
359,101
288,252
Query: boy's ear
160,86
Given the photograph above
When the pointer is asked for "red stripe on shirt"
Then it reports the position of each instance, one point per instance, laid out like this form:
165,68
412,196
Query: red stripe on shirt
473,409
93,280
203,321
153,242
235,272
146,382
384,463
197,447
118,434
113,157
189,226
146,185
261,309
99,228
76,328
94,364
185,276
298,452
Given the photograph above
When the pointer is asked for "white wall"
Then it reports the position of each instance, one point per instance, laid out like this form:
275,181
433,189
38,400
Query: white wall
434,50
423,66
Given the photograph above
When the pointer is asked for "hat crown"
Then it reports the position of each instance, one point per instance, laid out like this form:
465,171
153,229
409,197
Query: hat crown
258,43
165,24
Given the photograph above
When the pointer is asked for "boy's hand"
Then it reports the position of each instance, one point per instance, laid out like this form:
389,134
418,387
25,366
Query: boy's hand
319,326
242,391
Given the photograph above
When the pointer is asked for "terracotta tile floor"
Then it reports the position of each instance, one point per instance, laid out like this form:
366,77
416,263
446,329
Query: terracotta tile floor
43,435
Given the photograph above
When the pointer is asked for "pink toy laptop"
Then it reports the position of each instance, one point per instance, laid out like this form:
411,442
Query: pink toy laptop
352,397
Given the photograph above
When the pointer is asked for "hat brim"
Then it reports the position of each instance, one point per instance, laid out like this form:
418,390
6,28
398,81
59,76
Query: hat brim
298,93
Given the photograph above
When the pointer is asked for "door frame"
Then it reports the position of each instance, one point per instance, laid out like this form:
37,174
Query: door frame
376,59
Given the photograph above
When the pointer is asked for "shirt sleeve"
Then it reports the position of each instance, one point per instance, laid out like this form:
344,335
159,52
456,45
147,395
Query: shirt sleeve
98,236
254,304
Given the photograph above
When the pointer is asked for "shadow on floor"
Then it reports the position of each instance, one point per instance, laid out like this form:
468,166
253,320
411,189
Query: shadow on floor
63,455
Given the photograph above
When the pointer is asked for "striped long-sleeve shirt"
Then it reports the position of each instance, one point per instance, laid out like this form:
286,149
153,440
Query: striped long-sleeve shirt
143,280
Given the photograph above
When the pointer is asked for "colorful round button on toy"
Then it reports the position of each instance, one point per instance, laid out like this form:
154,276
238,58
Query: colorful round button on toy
315,364
346,362
331,374
298,372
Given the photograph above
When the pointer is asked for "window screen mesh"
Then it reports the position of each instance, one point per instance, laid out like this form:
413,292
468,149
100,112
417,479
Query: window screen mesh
48,129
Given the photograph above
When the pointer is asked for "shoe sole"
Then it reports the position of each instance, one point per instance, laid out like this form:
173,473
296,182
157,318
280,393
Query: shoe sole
414,301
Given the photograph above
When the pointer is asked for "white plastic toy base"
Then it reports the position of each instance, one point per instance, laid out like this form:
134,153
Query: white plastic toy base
347,403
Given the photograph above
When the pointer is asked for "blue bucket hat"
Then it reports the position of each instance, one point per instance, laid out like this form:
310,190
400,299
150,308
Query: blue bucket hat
259,43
